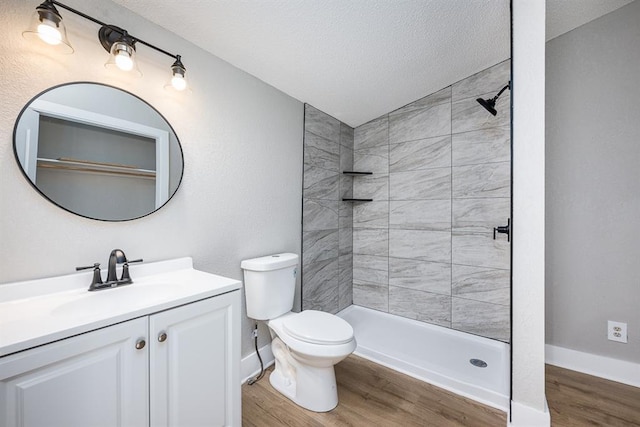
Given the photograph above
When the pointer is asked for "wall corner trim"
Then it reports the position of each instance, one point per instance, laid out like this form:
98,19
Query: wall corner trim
608,368
526,416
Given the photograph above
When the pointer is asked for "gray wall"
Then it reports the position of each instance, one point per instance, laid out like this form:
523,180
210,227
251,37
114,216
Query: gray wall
423,249
593,185
242,142
327,233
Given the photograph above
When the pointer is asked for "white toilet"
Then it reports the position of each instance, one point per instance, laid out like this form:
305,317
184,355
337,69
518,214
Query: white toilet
305,345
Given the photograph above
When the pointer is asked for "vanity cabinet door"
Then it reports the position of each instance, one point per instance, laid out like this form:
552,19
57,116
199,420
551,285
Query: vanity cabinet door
95,379
194,364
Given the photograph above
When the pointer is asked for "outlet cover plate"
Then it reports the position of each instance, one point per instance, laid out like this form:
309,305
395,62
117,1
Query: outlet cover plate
617,331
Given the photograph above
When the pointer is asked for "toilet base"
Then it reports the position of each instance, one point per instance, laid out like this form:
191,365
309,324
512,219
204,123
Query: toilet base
313,388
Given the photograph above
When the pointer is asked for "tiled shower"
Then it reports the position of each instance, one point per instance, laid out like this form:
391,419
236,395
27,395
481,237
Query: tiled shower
423,248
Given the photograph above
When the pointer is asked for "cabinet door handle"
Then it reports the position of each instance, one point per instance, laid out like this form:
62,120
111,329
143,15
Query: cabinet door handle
162,337
140,344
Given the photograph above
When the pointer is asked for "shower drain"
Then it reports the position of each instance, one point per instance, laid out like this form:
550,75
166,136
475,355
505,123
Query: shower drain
478,363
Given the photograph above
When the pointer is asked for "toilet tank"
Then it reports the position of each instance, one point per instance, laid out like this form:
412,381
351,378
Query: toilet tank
269,285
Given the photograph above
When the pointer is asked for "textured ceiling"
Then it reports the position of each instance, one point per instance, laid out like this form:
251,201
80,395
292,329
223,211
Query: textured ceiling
357,59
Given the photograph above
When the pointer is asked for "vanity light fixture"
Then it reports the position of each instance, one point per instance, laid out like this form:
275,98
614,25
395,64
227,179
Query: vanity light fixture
47,26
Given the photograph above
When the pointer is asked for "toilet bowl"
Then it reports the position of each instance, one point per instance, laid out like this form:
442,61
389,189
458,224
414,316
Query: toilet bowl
306,345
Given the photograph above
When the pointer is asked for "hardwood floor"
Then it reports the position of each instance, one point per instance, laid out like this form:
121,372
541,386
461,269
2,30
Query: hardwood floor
370,395
577,399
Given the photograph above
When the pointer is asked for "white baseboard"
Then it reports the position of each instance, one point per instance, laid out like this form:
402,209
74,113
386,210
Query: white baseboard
600,366
250,365
526,416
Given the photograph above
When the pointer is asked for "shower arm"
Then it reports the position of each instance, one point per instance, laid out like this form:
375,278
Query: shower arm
508,86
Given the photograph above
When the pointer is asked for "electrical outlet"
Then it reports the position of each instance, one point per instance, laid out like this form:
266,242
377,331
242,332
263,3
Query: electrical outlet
617,331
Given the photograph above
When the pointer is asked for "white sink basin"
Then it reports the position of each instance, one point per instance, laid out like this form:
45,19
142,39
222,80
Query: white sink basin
120,299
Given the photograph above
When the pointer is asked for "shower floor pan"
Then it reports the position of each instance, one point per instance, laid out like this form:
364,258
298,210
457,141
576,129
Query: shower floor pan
440,356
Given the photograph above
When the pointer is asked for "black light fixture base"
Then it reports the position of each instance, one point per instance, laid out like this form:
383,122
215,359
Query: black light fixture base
109,34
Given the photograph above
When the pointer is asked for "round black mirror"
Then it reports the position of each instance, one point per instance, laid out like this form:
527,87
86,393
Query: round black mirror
98,151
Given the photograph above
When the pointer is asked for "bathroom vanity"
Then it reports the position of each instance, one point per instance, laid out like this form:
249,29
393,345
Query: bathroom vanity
163,351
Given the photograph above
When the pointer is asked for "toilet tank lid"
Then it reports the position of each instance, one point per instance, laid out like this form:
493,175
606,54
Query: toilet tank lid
270,262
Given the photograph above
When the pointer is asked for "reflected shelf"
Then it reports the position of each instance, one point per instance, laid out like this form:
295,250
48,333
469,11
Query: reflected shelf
78,165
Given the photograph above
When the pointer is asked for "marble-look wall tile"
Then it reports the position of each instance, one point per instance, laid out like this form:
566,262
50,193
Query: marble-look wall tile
432,215
370,242
420,244
345,241
490,80
420,154
419,305
346,158
441,97
421,184
481,146
321,152
319,245
320,183
372,159
346,187
480,215
319,214
321,124
371,269
420,275
420,124
480,250
345,281
481,284
481,318
371,296
345,213
371,214
374,186
478,181
321,286
346,136
372,134
468,115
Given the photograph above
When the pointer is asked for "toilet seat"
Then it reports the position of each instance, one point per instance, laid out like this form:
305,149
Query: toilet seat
317,327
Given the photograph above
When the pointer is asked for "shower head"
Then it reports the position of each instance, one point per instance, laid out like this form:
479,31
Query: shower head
490,104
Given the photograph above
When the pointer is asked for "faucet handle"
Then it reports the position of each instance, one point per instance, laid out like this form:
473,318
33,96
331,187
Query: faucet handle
87,267
126,278
97,276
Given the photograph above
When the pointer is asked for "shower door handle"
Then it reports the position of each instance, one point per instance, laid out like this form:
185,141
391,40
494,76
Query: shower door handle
506,229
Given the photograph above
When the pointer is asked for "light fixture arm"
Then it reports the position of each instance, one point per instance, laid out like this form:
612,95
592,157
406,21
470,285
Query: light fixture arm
111,27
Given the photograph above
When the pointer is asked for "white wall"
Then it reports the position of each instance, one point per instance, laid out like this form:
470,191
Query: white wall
593,185
528,377
242,141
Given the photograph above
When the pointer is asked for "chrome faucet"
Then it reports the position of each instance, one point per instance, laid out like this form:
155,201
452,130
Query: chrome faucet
116,257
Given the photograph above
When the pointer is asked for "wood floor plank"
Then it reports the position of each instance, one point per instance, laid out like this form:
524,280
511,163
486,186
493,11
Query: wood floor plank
577,399
372,395
369,395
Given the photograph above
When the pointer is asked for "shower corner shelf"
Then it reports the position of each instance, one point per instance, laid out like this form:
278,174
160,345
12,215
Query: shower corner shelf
356,200
356,173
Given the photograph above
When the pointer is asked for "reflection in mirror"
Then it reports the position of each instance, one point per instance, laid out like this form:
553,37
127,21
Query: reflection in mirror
98,151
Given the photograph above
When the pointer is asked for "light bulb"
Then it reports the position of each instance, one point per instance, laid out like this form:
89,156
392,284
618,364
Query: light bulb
124,61
49,33
178,82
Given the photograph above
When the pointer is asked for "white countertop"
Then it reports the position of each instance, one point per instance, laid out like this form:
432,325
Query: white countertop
40,311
